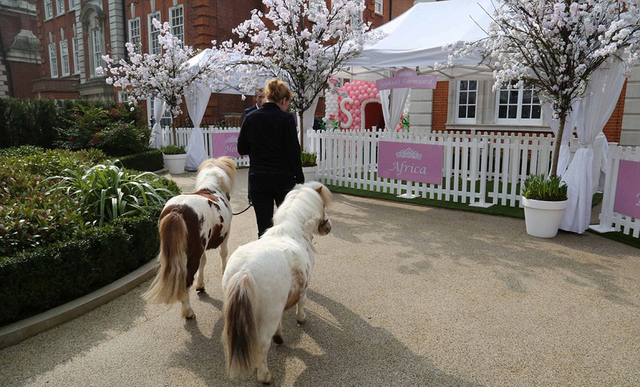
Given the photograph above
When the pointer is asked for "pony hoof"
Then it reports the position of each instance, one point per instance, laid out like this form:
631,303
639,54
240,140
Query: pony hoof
301,322
278,339
189,315
200,290
270,379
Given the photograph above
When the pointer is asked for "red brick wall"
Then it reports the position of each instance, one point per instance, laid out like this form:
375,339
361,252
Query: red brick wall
440,106
613,128
19,74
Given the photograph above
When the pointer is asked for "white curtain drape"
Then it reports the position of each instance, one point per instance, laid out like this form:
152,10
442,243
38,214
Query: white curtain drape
393,101
156,140
197,97
570,123
307,121
595,109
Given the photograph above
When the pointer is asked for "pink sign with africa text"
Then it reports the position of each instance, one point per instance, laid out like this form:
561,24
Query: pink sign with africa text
412,162
627,200
225,144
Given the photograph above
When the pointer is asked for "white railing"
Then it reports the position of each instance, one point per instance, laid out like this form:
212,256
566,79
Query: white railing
183,135
481,169
609,219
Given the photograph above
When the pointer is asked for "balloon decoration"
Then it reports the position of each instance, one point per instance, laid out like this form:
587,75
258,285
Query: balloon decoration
348,102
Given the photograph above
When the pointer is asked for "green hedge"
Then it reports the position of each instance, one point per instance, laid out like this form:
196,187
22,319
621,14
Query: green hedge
37,280
150,160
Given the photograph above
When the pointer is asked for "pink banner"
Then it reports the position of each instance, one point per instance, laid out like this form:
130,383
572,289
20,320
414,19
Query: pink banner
225,144
410,82
627,199
412,162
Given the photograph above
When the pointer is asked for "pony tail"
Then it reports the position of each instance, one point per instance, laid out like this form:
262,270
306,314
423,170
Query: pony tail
169,286
240,333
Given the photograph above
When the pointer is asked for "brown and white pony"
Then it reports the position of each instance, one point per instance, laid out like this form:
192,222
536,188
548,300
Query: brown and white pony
268,276
189,225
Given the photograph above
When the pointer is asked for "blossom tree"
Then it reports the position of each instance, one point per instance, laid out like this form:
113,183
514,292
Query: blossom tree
556,45
301,42
165,75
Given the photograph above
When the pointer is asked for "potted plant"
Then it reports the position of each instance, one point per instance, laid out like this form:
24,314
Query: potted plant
544,200
174,158
309,165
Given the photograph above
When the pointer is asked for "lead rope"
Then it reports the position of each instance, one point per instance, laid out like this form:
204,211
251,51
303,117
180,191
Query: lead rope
238,213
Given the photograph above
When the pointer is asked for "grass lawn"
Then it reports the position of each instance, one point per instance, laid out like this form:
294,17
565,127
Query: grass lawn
514,212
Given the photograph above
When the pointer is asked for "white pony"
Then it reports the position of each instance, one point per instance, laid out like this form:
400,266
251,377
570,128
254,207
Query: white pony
189,225
268,276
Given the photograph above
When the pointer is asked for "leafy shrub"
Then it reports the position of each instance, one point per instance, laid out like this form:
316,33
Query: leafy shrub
150,160
308,159
107,192
39,279
538,187
119,139
173,150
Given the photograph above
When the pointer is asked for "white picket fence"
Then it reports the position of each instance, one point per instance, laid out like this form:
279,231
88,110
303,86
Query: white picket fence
609,219
479,170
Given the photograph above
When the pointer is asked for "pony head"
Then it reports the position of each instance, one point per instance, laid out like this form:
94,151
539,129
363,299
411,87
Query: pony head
304,208
217,174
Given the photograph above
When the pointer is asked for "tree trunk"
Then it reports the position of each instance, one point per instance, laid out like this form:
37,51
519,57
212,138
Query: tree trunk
558,143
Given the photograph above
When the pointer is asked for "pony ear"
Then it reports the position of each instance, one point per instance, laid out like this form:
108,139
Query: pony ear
319,190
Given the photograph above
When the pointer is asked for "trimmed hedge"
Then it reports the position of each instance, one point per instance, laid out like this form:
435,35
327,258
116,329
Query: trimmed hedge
37,280
150,160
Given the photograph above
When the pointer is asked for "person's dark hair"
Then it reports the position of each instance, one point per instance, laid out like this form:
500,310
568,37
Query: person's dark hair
258,91
276,90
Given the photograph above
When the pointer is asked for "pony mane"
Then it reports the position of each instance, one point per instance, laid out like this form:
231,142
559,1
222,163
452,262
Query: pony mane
303,207
216,174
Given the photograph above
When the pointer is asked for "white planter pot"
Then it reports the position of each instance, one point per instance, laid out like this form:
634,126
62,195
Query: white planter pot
309,173
175,163
543,217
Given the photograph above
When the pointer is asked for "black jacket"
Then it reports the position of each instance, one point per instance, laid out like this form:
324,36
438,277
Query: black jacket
269,136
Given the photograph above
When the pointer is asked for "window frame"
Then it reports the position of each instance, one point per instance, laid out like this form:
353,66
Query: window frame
96,55
172,17
76,55
468,91
53,60
153,33
64,58
378,7
48,9
60,7
518,105
130,22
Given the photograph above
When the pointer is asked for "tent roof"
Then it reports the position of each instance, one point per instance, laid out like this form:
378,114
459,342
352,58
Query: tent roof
416,39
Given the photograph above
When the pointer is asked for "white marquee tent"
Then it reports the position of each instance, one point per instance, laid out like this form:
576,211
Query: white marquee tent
416,39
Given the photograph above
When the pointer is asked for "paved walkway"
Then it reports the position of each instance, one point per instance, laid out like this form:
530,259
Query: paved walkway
401,296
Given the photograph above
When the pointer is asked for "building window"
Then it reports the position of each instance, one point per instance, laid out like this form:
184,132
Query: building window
72,4
176,15
64,58
154,45
76,56
377,7
134,34
53,60
96,45
518,105
467,101
60,10
48,9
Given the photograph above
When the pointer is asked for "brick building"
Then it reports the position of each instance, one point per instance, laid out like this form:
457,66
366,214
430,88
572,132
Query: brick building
19,48
74,34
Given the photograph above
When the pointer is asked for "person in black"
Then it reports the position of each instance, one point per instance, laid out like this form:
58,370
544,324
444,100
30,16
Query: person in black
268,135
258,98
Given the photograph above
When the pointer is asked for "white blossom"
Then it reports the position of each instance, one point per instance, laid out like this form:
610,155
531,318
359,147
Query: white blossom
555,45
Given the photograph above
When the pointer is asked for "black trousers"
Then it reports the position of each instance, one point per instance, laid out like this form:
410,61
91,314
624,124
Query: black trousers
265,190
